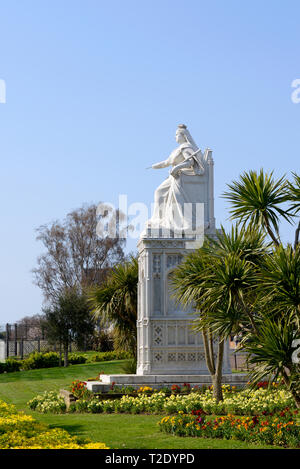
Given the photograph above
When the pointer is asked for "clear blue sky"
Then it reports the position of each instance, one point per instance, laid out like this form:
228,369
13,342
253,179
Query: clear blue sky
95,90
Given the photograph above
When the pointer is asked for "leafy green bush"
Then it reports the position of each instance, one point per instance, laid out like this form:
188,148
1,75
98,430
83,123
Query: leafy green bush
40,360
76,359
109,356
20,431
12,365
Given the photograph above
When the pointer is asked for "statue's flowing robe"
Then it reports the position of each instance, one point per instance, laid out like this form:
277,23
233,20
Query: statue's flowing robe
172,202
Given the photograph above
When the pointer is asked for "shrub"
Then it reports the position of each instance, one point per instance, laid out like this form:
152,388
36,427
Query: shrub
109,356
40,360
19,431
76,359
10,365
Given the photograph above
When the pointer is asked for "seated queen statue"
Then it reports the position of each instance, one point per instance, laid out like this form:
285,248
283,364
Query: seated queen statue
186,185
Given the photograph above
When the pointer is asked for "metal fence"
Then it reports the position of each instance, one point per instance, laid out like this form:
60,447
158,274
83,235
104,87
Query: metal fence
19,340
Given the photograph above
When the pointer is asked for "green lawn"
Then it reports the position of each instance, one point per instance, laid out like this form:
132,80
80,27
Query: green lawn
117,431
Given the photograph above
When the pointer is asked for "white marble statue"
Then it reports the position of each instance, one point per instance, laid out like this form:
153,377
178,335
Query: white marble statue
173,197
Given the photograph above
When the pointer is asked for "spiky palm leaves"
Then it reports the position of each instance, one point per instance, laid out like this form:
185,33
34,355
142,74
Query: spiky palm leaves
280,284
294,198
258,198
116,302
294,194
238,285
271,349
271,354
219,281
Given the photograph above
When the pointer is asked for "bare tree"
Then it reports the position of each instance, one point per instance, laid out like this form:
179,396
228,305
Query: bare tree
75,255
30,327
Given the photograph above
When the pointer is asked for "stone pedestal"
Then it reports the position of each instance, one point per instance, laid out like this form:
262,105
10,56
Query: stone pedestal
166,342
238,380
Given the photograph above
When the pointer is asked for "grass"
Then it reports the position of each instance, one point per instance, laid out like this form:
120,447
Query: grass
117,431
17,388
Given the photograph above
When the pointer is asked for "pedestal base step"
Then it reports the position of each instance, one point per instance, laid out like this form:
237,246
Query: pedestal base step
158,381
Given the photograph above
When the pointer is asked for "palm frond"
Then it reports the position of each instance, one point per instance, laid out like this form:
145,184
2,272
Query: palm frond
257,198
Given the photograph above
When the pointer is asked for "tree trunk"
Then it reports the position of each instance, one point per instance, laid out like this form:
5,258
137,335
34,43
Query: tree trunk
66,354
217,387
297,232
60,353
217,377
209,360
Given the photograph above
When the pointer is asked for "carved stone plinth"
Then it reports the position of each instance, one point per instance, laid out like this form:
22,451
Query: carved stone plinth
166,343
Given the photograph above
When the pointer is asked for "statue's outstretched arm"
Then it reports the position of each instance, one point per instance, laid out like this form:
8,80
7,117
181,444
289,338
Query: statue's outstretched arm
168,161
162,164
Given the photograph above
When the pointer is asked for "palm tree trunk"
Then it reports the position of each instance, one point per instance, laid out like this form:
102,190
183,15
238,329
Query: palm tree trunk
211,350
209,360
217,378
297,232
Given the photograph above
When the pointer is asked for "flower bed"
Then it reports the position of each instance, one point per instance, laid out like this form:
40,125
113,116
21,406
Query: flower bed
20,431
260,401
48,402
280,430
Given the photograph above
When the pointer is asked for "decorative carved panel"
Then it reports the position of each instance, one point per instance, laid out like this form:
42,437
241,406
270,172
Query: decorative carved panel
173,260
156,263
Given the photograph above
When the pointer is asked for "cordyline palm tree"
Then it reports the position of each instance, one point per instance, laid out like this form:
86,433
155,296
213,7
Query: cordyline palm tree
280,284
258,198
116,301
294,198
219,281
271,353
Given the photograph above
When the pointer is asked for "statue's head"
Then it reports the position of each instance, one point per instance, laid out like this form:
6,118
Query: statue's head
183,136
180,135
